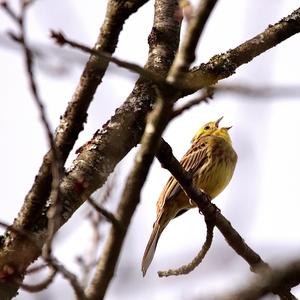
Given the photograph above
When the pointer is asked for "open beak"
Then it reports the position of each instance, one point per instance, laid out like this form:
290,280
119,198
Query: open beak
218,121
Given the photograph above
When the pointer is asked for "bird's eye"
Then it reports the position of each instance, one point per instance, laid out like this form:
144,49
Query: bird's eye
206,127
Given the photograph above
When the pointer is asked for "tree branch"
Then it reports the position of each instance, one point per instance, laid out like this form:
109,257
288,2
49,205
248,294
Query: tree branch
186,54
166,26
210,211
105,213
287,275
34,288
224,65
61,39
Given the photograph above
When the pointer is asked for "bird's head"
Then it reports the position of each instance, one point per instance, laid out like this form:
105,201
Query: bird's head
212,128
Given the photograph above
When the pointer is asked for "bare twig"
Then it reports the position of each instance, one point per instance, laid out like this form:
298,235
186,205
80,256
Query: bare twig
108,215
34,288
206,94
36,268
256,92
210,211
57,266
61,39
8,271
186,53
22,39
7,8
197,260
85,268
96,215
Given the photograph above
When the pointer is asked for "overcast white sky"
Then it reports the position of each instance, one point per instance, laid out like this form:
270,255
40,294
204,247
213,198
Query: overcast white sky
262,201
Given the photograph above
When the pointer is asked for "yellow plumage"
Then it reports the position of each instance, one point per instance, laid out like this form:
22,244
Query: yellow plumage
211,159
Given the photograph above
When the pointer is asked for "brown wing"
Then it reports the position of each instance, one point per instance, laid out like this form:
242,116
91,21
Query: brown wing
194,158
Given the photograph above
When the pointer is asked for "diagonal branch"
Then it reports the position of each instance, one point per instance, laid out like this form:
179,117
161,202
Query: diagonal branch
61,40
288,274
210,211
105,213
219,66
224,65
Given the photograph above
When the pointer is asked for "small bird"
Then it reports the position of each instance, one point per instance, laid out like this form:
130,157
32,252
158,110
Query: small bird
211,159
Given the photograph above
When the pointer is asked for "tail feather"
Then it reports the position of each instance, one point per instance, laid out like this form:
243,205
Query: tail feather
151,246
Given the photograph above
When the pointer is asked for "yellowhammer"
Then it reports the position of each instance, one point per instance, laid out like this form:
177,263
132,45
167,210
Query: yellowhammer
211,159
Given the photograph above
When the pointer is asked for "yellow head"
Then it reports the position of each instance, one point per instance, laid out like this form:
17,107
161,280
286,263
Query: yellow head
212,128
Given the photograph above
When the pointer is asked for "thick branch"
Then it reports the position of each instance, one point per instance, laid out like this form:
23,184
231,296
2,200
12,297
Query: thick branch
32,216
166,26
75,115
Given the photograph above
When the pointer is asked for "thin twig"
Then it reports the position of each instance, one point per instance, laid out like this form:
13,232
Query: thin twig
21,38
96,215
206,94
8,271
255,92
36,269
34,288
186,269
85,268
4,4
186,54
57,266
108,215
61,39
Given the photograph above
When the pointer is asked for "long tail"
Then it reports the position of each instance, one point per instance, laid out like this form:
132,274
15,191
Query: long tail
151,246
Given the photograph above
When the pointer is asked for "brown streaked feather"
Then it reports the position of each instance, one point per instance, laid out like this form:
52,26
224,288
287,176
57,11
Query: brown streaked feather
195,157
